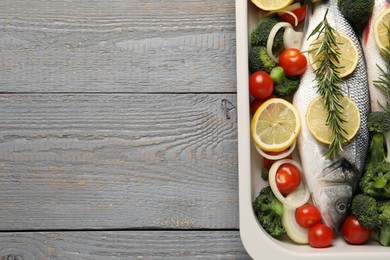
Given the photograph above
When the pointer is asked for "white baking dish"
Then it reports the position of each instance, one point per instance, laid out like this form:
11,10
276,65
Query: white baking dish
256,241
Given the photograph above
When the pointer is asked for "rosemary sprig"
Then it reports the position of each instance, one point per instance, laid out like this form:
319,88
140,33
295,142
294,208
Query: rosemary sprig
328,82
383,82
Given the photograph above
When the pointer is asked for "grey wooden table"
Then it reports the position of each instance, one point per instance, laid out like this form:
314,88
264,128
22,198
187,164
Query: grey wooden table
118,131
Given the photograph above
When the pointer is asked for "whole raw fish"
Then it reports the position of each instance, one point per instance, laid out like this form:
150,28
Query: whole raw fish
332,183
373,57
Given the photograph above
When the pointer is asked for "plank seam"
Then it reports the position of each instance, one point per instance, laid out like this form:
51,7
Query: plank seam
120,230
119,93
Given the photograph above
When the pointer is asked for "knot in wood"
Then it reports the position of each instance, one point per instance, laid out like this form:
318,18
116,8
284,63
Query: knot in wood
226,106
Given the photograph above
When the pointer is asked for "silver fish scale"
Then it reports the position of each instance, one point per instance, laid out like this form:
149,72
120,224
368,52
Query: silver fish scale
355,86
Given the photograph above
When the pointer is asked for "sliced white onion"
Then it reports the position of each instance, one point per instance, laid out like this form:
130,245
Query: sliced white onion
278,156
292,39
294,231
293,15
271,38
296,198
291,7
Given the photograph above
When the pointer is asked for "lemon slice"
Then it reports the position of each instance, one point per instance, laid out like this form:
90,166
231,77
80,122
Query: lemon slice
316,119
275,125
272,5
380,27
348,58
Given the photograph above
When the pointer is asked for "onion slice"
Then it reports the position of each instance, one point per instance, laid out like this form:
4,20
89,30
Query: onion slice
292,39
277,156
293,15
290,8
271,37
294,231
296,198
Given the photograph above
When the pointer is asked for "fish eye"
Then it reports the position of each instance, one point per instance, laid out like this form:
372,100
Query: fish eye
341,207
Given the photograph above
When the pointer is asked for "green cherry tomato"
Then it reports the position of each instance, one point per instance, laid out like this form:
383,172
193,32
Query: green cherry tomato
277,74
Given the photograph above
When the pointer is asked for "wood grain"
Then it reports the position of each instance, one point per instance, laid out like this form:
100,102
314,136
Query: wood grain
101,128
118,161
122,245
137,46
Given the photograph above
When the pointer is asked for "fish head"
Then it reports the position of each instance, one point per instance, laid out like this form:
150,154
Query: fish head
333,203
333,197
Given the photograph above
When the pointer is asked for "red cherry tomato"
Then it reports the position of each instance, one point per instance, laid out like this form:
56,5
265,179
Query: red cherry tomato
320,236
293,62
287,178
256,103
307,216
267,163
353,232
261,85
299,12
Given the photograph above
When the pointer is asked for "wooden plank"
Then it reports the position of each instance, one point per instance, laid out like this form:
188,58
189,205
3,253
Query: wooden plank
123,245
117,46
118,161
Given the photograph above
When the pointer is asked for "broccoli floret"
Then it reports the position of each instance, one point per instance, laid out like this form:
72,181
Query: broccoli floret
373,214
365,209
378,124
384,226
377,152
264,173
287,86
376,180
269,211
357,12
260,60
259,35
